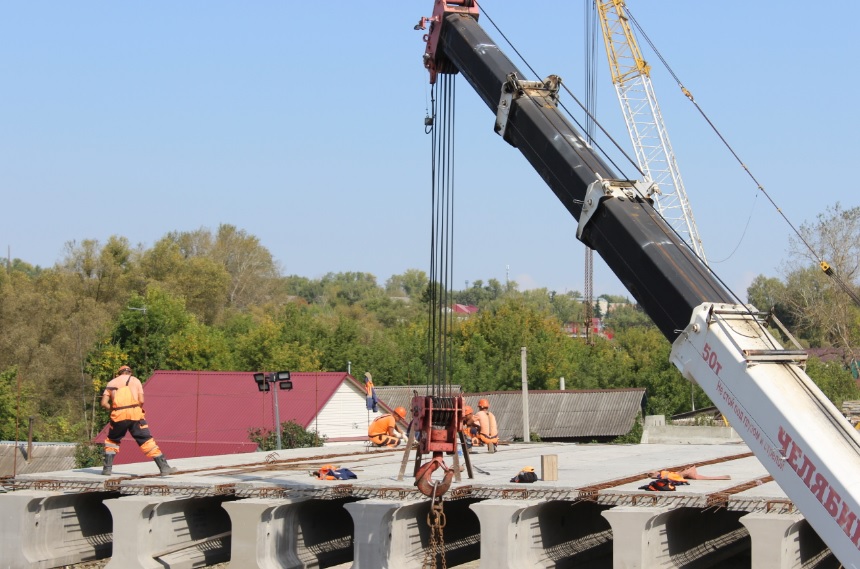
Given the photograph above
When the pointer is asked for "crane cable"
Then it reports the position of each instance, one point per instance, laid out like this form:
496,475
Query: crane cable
823,264
582,106
440,125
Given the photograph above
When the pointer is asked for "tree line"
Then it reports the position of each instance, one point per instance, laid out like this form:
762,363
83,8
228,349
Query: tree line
216,300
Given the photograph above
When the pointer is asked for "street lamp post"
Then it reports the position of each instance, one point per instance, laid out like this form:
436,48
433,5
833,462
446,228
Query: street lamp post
264,381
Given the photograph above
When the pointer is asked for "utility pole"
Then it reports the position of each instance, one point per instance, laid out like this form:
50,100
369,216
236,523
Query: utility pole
525,381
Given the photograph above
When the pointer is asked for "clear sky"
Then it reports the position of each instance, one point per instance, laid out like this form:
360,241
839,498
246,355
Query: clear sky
302,123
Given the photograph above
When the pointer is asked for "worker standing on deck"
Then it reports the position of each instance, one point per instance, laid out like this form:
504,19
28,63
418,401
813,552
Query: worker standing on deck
488,430
383,431
123,397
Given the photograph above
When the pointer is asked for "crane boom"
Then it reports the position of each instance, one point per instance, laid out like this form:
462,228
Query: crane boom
631,77
811,451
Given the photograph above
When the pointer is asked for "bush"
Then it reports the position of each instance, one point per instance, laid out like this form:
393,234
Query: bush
293,435
88,455
634,437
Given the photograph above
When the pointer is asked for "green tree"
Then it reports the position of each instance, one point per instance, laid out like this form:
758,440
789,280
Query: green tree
143,330
251,267
834,379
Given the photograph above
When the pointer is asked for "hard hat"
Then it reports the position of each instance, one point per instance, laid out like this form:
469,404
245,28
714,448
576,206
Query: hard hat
527,469
368,376
400,411
467,410
124,368
483,404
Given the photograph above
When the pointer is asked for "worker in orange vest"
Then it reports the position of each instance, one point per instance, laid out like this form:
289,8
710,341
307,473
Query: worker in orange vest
469,427
488,430
383,431
123,397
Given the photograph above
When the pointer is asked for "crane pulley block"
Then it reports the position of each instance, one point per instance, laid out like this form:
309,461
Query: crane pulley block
434,60
600,190
514,88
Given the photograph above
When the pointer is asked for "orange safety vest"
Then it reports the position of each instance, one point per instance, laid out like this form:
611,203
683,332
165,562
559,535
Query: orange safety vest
669,475
382,425
487,420
124,405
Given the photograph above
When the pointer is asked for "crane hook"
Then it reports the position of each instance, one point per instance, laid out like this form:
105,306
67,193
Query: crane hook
428,487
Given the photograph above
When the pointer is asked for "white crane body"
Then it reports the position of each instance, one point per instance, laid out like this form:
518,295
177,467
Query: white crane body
805,443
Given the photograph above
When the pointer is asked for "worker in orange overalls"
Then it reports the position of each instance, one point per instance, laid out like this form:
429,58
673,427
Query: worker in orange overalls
123,397
469,427
488,431
383,431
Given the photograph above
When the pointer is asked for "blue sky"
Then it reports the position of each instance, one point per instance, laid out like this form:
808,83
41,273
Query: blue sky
302,123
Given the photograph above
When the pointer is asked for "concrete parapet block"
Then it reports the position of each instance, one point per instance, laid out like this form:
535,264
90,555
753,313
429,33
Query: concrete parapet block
501,524
639,538
41,529
153,532
776,539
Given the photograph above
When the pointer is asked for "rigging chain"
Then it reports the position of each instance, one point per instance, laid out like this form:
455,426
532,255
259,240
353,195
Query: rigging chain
436,521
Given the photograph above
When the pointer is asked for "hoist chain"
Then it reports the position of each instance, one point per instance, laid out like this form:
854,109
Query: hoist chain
436,522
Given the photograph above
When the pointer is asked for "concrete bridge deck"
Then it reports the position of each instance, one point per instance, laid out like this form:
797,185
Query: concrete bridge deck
266,511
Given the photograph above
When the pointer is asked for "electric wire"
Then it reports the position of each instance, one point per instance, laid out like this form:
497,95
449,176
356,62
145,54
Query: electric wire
759,186
578,102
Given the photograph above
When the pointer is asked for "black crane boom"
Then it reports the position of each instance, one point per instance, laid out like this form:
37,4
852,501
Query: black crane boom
651,260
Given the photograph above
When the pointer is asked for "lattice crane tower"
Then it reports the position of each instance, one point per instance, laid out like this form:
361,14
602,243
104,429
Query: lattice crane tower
631,76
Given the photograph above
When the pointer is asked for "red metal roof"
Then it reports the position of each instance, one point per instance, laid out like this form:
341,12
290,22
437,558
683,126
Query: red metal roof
205,413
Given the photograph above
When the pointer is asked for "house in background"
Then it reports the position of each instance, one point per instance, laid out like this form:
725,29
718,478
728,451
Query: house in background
206,413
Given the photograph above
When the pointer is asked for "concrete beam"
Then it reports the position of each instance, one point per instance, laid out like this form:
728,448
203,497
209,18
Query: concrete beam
501,524
562,534
394,534
153,532
289,533
638,537
374,524
41,529
261,537
776,540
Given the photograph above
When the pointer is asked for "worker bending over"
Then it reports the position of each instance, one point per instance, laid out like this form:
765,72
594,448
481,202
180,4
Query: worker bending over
383,431
488,431
469,426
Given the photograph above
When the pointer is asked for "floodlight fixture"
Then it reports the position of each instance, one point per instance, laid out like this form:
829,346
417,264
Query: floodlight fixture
262,383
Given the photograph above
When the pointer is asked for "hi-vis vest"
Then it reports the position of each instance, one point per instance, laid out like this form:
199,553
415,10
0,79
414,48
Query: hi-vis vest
673,476
381,425
124,406
488,423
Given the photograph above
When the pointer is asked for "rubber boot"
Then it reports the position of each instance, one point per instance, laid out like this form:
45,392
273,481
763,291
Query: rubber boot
163,467
107,470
